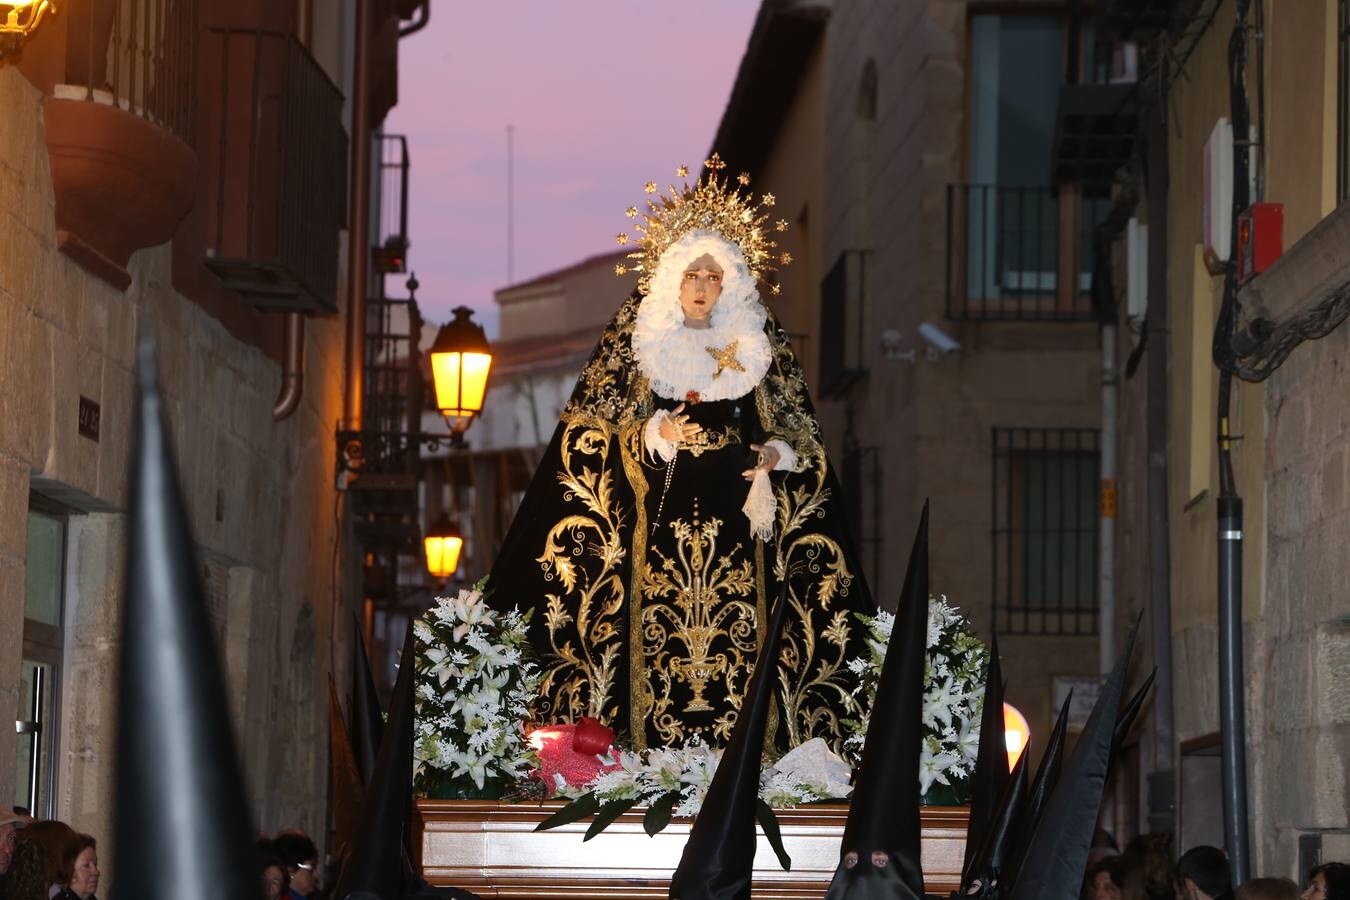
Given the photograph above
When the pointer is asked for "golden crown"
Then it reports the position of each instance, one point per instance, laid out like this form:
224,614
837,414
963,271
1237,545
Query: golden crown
712,204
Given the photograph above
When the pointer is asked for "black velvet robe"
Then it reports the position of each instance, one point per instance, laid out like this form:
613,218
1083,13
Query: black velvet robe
650,594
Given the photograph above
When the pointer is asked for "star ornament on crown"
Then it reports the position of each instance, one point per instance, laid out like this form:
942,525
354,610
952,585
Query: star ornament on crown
713,203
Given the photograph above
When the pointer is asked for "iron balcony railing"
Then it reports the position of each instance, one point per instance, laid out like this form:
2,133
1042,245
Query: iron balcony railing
275,155
137,55
1020,253
389,256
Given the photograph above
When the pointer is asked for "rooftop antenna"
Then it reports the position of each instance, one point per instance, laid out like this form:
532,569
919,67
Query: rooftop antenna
510,205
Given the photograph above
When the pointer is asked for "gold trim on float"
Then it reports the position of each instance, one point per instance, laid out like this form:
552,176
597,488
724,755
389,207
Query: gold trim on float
491,848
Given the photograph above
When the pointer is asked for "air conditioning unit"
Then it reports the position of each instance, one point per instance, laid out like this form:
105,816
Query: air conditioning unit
1136,271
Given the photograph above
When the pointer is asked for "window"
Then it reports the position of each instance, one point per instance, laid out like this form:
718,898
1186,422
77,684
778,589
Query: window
1045,530
1018,247
843,316
43,640
861,484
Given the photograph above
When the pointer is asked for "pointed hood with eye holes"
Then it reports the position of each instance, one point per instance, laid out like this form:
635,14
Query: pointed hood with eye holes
182,811
879,856
991,760
1057,855
719,857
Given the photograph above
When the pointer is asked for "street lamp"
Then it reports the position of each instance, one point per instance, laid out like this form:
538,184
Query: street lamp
1016,733
460,362
443,543
21,19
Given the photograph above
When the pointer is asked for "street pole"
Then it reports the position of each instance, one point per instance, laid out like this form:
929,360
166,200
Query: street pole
1232,715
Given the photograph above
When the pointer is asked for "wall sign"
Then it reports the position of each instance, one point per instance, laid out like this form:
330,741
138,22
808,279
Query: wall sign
89,419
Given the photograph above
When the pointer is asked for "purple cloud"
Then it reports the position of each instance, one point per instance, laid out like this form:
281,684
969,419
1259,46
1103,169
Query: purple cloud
604,96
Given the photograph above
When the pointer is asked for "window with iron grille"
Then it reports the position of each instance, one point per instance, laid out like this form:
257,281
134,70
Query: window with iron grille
1343,101
1045,508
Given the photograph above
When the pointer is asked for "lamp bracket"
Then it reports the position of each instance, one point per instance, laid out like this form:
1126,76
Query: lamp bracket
368,450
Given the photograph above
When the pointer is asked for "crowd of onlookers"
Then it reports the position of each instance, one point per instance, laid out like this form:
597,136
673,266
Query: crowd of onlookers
49,860
46,860
1145,871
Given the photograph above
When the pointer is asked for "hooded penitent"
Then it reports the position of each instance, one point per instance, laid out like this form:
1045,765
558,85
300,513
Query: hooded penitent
879,856
984,873
375,868
1057,856
991,759
181,813
345,785
367,717
720,854
1047,773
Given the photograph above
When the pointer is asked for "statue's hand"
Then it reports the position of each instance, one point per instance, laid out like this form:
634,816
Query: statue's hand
677,428
768,458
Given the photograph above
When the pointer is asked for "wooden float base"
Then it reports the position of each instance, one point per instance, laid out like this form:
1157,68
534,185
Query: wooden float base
491,848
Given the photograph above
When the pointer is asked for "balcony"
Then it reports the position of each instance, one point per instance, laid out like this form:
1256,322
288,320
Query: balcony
274,159
1098,114
1020,254
121,86
389,255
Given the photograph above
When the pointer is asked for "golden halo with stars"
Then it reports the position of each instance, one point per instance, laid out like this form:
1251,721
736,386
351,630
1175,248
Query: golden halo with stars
712,203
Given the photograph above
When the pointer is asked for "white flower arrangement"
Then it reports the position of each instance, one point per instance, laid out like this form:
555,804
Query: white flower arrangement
474,687
683,775
953,695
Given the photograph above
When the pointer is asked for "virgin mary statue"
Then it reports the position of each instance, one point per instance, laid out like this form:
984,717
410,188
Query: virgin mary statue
686,487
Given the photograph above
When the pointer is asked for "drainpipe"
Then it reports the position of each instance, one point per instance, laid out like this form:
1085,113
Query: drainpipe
358,240
293,326
1162,780
293,371
1106,585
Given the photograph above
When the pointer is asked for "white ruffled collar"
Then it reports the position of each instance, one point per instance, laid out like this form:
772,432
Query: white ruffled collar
676,358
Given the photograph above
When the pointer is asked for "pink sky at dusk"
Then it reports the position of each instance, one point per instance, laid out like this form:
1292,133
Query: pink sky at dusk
604,96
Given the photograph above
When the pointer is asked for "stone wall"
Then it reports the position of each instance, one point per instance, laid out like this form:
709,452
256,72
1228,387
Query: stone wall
1290,468
931,419
260,496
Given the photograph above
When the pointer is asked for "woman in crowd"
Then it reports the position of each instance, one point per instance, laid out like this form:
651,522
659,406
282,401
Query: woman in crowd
1329,881
1105,879
301,859
275,882
44,863
84,880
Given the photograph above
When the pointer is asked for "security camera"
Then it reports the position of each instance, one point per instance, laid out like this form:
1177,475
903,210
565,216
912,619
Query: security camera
939,342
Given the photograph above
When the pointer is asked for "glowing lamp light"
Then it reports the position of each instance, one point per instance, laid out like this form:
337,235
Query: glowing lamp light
20,20
1016,733
460,362
443,543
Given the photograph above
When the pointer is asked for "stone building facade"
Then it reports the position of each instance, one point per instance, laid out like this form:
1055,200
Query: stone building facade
76,295
858,117
1289,462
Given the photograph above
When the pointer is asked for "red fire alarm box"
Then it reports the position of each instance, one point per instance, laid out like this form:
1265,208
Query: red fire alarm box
1260,239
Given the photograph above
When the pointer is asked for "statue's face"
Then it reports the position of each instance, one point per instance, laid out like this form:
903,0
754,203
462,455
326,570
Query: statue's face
699,289
867,876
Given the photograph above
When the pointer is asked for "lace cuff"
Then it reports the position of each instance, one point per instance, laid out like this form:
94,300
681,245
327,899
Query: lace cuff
787,457
657,446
